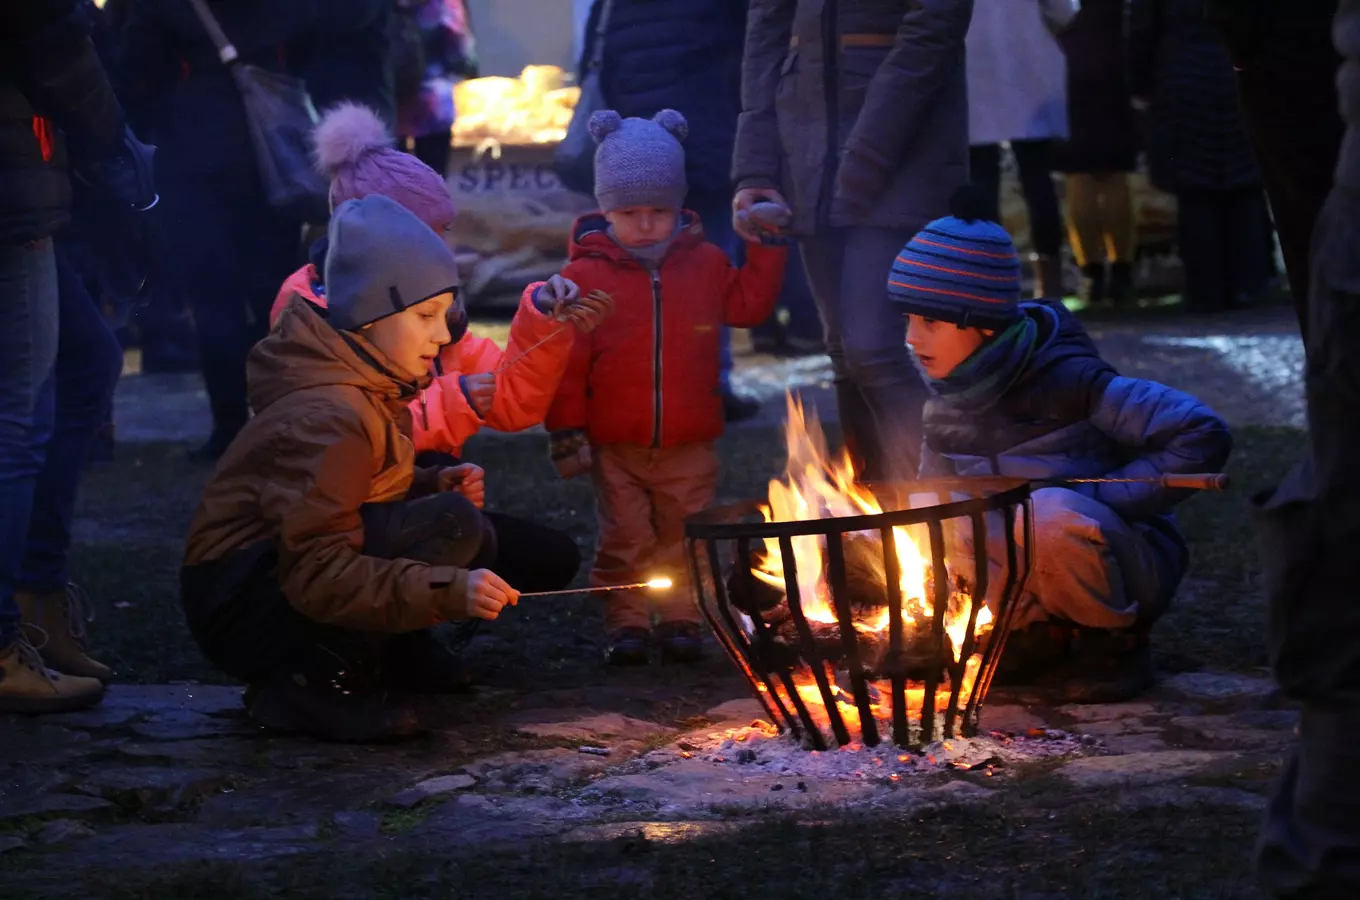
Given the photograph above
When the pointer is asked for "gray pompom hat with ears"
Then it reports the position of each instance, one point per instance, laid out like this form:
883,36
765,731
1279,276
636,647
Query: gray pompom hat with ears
639,162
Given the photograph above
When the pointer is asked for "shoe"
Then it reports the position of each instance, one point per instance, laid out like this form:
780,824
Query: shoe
1048,277
420,663
681,642
1104,667
1032,652
1120,290
54,622
330,710
1093,289
628,647
29,686
737,408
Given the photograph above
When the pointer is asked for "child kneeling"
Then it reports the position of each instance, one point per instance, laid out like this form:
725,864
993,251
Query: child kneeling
1020,389
320,556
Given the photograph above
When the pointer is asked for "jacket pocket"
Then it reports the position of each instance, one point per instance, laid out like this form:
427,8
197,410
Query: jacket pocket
858,66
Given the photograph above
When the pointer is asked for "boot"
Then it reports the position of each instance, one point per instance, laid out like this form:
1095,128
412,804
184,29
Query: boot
28,686
1121,283
55,623
1032,652
420,663
1093,291
330,710
628,647
681,642
1047,277
1106,667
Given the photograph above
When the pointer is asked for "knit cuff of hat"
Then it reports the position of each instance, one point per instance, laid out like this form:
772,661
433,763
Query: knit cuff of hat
565,443
661,196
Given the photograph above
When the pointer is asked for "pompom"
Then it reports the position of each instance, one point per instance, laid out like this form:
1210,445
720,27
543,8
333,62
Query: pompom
345,135
603,123
673,122
970,203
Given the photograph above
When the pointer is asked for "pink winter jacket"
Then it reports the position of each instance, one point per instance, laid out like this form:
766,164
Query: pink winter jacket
443,418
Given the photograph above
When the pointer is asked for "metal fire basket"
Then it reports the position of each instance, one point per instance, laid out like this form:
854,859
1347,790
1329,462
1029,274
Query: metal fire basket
770,638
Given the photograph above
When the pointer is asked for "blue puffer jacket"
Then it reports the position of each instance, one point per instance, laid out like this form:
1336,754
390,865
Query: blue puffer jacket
1070,414
683,55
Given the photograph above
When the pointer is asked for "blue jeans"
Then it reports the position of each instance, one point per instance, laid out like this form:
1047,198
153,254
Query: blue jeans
715,213
879,390
28,351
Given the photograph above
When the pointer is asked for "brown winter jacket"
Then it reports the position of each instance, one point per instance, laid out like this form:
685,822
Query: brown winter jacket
331,432
862,123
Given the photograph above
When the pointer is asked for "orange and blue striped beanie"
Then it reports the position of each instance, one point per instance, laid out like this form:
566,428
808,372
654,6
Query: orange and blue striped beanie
961,269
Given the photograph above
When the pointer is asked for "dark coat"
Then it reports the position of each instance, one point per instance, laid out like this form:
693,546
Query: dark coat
683,55
1196,135
348,56
196,116
1101,122
865,124
50,82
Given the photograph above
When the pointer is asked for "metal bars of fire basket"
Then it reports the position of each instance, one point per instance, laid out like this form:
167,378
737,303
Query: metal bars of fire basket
755,664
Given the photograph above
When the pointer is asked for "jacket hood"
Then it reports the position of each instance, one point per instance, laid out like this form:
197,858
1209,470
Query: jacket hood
1061,336
590,237
303,351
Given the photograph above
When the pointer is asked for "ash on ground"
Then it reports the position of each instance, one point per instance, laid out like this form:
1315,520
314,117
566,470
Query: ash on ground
760,748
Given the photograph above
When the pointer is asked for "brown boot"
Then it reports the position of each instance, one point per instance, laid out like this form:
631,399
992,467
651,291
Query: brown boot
28,686
1048,277
55,623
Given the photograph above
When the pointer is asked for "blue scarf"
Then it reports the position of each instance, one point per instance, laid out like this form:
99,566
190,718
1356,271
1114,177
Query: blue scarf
980,380
650,258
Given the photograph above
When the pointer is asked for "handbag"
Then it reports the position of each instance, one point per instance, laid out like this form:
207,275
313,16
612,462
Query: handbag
574,157
281,117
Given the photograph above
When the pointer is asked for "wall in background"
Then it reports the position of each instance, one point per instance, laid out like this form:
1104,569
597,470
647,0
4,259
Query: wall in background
512,34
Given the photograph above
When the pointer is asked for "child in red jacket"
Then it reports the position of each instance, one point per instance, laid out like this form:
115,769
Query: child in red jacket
640,406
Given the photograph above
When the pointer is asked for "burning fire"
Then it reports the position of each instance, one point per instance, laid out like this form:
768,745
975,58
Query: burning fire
816,487
534,108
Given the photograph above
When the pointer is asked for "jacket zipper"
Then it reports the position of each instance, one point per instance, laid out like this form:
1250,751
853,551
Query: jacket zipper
656,358
830,88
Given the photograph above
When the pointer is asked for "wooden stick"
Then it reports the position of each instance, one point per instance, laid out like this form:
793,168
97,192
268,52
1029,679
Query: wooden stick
600,590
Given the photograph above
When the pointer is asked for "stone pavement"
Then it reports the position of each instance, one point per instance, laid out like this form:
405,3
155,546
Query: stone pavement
175,774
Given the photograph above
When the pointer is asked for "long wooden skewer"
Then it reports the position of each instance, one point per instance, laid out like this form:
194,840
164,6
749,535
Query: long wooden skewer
655,584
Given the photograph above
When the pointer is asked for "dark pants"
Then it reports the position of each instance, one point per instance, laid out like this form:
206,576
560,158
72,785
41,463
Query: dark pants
1034,159
230,253
879,390
529,556
251,632
795,301
1310,847
1224,242
434,151
715,214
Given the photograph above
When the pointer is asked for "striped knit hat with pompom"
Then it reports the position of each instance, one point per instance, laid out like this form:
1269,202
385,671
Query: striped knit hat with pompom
961,269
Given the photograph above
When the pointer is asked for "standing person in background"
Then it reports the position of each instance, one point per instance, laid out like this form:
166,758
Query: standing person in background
1198,149
1100,152
683,55
227,248
433,46
349,57
857,112
1017,94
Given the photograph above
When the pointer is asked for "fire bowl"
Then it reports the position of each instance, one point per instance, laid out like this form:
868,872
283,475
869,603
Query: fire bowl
847,627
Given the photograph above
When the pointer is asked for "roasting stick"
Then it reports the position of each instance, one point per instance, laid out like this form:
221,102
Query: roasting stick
507,363
656,584
1205,482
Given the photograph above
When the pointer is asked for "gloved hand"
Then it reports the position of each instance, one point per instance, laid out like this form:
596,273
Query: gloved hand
127,174
480,391
766,220
570,451
553,293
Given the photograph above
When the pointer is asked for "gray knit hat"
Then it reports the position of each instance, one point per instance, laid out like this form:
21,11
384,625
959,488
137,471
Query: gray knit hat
381,260
639,162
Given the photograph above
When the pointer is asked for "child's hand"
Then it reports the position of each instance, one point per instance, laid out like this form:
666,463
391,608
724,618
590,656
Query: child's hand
578,463
480,391
488,594
745,220
465,479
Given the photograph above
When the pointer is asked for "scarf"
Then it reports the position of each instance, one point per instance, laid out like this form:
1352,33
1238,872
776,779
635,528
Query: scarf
650,257
980,380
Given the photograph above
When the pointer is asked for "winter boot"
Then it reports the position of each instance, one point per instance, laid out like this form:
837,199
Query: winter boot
1093,291
1120,289
681,642
420,663
628,647
28,686
329,709
1048,277
55,623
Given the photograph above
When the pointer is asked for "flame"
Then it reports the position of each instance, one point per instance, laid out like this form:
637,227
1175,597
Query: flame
534,108
660,583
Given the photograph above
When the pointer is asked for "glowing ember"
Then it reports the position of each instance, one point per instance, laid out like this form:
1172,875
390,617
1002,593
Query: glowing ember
534,108
660,584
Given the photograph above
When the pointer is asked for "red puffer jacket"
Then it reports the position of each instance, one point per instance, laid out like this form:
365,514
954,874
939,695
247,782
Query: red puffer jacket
648,375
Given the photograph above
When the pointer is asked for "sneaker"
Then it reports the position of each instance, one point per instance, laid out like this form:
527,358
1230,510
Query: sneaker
55,623
29,686
681,642
420,663
329,710
628,647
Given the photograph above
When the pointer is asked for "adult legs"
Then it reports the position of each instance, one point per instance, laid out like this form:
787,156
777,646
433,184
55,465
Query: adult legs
984,168
878,388
1085,219
1033,159
715,213
1199,234
1248,262
434,151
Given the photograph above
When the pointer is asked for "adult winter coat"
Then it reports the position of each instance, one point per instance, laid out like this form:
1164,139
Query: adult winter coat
1069,414
648,375
1102,126
348,56
1196,136
442,417
683,55
331,432
1017,76
50,82
857,110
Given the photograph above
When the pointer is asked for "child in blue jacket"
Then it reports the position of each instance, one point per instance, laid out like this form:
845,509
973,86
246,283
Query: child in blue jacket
1019,389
